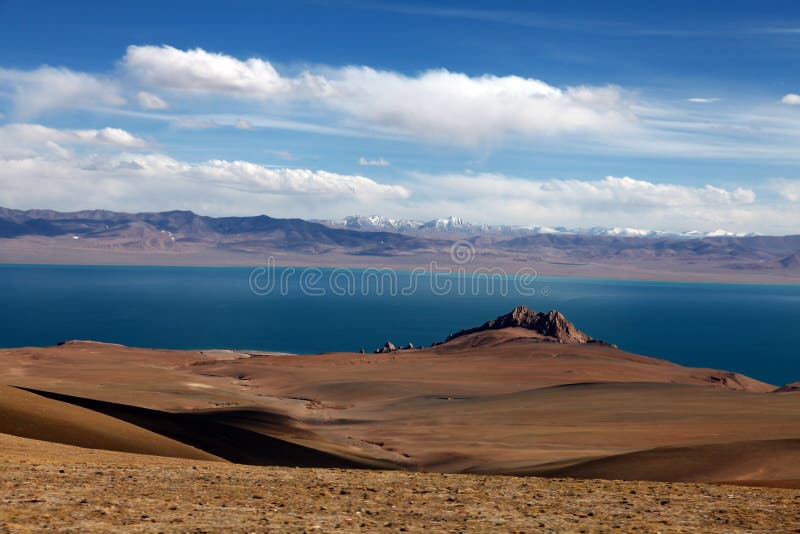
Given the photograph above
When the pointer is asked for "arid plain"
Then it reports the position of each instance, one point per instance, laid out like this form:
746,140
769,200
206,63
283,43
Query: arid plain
520,397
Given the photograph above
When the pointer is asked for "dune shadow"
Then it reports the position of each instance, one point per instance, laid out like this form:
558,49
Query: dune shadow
218,432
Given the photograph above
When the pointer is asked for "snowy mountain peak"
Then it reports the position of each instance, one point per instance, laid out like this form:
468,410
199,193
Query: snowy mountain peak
447,224
457,225
378,222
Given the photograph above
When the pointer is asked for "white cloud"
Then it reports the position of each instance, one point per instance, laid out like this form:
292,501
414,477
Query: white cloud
150,101
22,140
258,179
596,195
436,104
440,105
199,71
47,89
46,167
242,124
40,172
192,123
379,162
284,154
610,201
787,189
791,99
454,107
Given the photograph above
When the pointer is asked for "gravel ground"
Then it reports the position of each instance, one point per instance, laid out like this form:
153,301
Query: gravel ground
59,488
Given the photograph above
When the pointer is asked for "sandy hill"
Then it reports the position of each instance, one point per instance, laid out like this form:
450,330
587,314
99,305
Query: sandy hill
527,394
33,416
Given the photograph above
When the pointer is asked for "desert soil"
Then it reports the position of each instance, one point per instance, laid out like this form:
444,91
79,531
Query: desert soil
46,487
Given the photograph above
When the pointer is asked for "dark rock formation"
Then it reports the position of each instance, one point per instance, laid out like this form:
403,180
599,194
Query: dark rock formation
794,387
387,347
550,324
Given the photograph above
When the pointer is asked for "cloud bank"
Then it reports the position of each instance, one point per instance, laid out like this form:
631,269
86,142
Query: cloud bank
47,89
439,106
436,104
35,170
111,168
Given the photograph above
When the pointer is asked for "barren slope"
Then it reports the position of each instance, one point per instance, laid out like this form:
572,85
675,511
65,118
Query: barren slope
495,401
28,415
45,486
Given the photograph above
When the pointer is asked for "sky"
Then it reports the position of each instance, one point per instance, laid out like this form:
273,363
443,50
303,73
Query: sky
665,115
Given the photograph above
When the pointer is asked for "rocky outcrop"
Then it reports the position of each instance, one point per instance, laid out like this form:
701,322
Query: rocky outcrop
551,325
387,347
390,347
737,382
794,387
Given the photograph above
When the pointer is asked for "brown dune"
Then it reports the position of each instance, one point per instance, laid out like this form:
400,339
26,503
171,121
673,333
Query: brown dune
28,415
224,433
762,460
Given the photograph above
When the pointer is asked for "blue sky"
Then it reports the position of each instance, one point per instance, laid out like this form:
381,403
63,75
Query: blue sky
669,115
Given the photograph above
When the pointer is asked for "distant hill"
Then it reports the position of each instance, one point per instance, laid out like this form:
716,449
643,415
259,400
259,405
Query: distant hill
186,226
184,237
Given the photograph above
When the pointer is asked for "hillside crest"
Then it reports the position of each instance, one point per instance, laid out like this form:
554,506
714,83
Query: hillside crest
551,324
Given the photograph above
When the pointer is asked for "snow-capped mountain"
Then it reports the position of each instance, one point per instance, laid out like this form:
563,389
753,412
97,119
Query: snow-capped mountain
457,225
448,224
377,222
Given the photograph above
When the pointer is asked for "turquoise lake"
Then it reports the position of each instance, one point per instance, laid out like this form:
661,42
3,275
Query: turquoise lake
752,329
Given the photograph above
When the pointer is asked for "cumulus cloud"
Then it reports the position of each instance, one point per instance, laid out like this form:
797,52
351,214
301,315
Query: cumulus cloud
242,124
610,201
434,105
379,162
437,104
630,192
150,101
77,169
22,140
40,172
791,99
199,71
468,110
611,191
47,89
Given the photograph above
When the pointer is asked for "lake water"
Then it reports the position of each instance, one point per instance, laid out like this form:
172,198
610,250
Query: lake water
753,329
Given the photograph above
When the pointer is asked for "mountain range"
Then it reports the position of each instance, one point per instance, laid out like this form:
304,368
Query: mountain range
184,237
162,230
457,225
